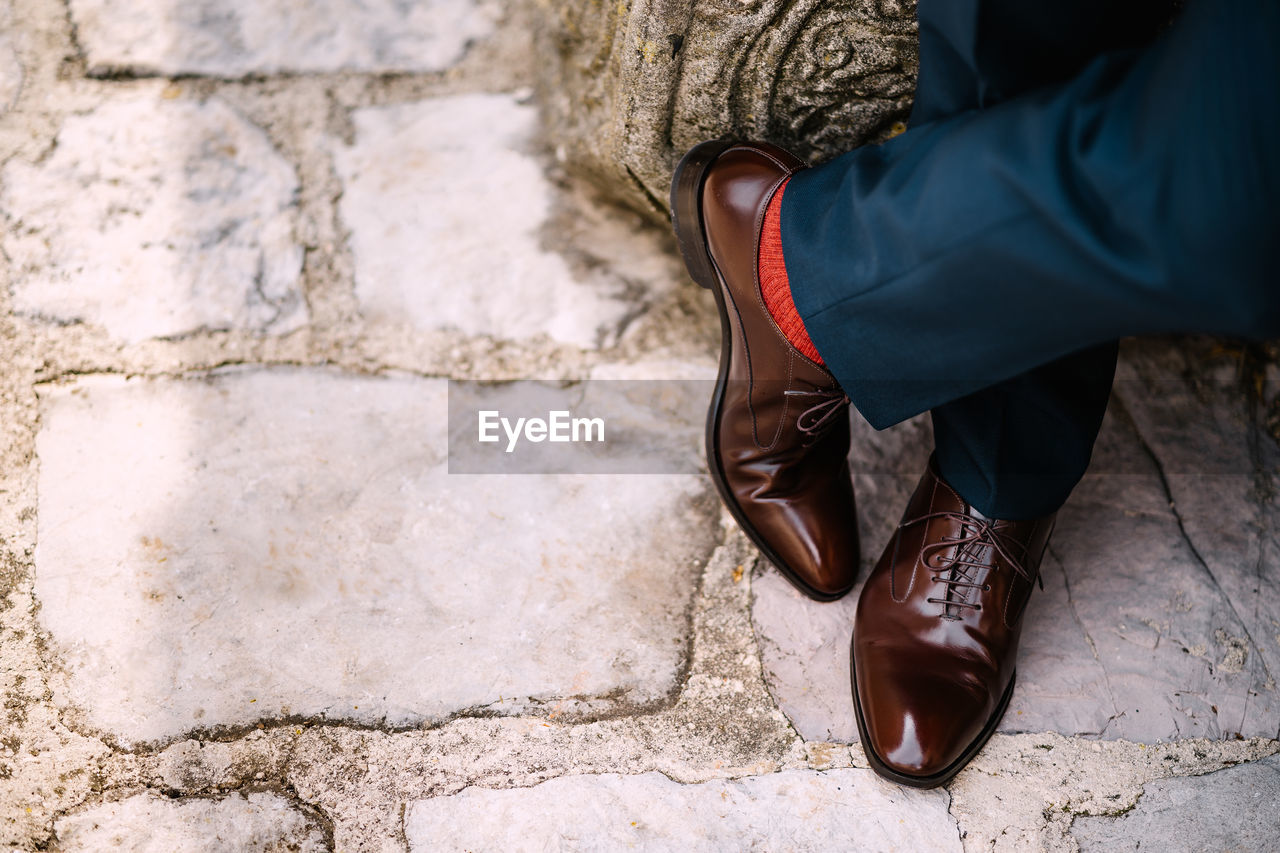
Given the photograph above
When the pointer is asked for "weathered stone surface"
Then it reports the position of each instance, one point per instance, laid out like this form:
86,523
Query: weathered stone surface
791,810
1022,792
1137,635
267,543
271,36
146,823
155,216
637,84
1208,417
296,637
11,73
1234,809
445,203
805,652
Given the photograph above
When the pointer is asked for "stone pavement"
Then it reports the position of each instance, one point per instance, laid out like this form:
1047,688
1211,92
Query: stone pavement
246,607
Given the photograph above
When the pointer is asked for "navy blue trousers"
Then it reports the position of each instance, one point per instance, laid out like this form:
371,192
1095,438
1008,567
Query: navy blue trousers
1073,173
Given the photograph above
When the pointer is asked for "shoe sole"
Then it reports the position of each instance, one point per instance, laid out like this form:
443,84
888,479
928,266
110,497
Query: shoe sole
949,772
686,218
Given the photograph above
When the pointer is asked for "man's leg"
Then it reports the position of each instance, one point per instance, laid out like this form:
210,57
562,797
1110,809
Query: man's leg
978,53
1017,449
1140,197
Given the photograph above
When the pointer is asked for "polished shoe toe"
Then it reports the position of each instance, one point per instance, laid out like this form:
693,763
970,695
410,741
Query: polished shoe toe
825,556
924,738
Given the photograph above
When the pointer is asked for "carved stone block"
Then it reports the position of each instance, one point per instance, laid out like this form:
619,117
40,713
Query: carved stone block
632,85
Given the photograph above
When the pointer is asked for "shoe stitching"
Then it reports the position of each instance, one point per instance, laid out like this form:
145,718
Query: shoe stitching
939,481
919,561
757,229
1038,577
746,348
760,150
1004,617
1013,583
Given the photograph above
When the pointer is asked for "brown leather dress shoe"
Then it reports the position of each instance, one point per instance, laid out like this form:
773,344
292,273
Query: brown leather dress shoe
777,429
936,634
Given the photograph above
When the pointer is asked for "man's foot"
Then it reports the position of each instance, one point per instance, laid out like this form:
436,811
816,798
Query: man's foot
936,634
778,428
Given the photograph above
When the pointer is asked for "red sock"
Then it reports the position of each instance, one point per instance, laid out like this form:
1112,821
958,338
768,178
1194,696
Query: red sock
773,281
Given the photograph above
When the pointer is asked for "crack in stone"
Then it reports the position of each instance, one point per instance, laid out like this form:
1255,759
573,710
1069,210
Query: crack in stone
1186,537
78,58
960,833
658,207
280,788
278,305
1075,615
541,708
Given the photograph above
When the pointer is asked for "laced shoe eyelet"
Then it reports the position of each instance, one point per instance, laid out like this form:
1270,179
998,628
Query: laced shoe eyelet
986,588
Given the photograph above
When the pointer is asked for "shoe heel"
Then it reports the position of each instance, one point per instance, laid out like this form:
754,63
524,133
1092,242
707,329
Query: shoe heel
686,209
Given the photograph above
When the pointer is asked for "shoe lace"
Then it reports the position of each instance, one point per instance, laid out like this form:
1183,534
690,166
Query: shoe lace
822,415
977,533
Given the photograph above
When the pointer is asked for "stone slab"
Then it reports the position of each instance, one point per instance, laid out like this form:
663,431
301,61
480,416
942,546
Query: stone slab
155,216
1201,411
146,823
446,202
795,810
1233,809
272,543
233,39
1134,636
